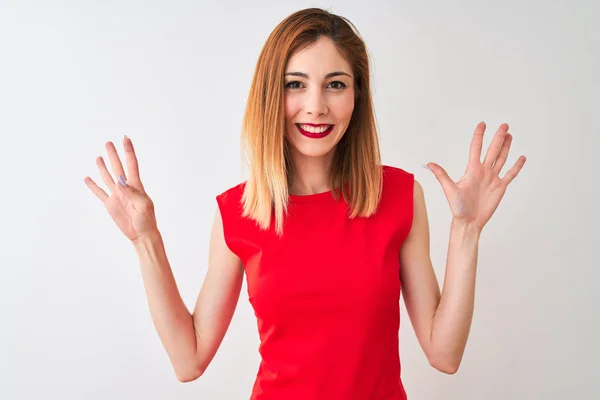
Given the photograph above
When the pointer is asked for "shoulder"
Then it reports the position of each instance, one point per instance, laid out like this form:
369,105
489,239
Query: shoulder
395,176
397,187
389,170
401,184
230,200
233,192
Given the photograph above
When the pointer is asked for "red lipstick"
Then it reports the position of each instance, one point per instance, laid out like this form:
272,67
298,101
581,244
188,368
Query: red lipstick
315,135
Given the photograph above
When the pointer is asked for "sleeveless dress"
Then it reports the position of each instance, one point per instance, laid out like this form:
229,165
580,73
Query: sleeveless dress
326,294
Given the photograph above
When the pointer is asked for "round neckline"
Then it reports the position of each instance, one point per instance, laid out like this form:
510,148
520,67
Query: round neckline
305,198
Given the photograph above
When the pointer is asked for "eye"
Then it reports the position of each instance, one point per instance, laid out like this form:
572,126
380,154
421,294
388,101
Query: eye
293,85
337,85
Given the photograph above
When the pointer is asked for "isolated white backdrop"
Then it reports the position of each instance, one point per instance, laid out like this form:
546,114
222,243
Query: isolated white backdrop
174,76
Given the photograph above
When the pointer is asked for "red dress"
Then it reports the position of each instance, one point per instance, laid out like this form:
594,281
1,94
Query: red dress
326,294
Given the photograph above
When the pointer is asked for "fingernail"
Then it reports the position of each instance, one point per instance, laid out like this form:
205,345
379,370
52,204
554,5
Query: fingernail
122,181
426,167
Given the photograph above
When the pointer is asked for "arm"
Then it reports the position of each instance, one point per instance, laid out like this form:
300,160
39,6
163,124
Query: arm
441,321
191,340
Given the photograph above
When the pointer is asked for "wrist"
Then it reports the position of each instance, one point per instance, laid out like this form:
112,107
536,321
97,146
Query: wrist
147,239
468,228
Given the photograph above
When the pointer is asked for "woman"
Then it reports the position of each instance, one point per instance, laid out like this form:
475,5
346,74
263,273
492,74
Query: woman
326,235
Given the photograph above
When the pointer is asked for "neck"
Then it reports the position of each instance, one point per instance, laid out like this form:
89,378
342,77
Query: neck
311,174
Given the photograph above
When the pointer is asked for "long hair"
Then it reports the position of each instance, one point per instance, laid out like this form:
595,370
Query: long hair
356,168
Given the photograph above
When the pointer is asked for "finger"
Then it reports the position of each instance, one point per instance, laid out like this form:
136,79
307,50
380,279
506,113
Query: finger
514,171
136,197
122,187
476,144
133,172
104,174
101,194
501,160
115,161
441,175
496,145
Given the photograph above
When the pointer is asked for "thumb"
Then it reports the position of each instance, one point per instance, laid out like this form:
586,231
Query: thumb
137,198
440,174
127,190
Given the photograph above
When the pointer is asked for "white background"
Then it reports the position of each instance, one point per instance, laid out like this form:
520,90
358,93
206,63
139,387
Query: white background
174,76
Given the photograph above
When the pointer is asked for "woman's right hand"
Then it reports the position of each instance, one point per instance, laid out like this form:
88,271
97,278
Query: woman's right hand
128,204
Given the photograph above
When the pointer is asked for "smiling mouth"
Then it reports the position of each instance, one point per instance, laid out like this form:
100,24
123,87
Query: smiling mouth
315,132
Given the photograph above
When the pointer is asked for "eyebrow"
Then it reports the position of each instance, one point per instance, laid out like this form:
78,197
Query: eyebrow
329,75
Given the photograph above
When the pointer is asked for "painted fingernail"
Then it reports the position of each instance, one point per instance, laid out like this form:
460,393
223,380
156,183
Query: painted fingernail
122,181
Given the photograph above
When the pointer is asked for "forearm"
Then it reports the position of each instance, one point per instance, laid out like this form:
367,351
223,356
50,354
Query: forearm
452,320
170,316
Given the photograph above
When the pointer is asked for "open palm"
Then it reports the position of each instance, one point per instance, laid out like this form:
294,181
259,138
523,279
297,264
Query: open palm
476,196
128,204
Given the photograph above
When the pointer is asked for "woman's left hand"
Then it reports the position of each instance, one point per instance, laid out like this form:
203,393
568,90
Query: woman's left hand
475,197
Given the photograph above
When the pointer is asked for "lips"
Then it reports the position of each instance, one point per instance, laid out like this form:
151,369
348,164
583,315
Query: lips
317,132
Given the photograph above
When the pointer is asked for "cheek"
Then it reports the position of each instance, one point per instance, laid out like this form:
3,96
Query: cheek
345,106
292,106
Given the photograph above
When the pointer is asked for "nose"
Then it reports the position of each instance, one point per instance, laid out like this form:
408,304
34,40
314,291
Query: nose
315,103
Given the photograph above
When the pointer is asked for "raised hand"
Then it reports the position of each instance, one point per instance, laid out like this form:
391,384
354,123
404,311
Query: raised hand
476,196
128,204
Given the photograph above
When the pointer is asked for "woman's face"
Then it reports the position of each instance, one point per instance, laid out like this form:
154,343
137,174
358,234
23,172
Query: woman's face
319,99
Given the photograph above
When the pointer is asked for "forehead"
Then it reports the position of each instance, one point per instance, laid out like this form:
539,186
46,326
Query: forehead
318,59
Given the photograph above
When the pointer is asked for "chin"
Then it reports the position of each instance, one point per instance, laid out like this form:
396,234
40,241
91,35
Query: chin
306,147
315,153
312,148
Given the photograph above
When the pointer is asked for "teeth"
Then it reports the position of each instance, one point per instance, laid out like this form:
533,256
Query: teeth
314,129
